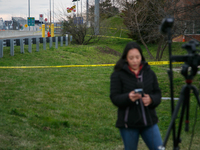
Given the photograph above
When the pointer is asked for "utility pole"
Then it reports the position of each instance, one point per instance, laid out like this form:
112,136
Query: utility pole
29,11
53,11
96,17
77,14
87,5
77,9
74,13
81,9
50,12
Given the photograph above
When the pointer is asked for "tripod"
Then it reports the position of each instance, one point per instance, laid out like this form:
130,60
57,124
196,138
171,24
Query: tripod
184,101
192,60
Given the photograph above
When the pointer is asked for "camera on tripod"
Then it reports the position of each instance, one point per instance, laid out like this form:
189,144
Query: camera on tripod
192,59
189,70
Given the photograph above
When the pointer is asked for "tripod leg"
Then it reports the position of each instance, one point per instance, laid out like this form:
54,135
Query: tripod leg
196,93
181,100
185,102
187,113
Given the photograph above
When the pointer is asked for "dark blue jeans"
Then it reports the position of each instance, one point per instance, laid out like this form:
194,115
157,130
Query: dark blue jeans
150,135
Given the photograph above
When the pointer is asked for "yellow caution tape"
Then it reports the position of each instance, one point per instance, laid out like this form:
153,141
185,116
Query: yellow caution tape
162,63
116,28
63,66
112,37
68,66
117,37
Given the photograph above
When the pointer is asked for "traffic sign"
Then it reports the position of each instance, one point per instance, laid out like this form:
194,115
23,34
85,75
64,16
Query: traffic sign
31,21
41,17
26,25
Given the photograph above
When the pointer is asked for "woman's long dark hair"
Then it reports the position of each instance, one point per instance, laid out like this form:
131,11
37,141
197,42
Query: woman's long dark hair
122,60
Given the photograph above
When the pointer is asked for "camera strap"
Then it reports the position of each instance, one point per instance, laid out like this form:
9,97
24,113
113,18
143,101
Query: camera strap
140,79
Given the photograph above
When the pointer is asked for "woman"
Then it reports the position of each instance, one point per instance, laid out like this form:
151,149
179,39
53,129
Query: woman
136,112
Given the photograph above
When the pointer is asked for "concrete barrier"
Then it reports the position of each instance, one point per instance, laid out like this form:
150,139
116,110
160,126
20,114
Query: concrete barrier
17,33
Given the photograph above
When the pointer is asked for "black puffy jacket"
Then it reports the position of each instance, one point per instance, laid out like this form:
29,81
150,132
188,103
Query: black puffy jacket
122,83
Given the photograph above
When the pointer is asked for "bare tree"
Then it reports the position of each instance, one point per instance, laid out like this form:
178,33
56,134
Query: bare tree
187,15
76,26
143,18
82,34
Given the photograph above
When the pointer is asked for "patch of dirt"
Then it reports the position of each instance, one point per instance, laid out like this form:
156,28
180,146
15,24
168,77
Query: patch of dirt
108,50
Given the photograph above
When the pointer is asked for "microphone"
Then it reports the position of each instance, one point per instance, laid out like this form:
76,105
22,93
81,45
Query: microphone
166,23
139,88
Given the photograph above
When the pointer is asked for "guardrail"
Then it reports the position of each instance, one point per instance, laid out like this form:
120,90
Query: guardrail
32,40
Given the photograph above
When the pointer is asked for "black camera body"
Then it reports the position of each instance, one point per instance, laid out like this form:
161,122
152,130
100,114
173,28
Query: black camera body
192,59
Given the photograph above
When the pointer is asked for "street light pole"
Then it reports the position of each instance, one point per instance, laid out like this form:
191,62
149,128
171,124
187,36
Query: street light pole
50,11
29,11
81,8
77,8
53,11
87,11
96,17
28,8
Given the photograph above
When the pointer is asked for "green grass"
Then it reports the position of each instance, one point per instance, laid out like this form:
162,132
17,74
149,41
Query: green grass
69,108
114,26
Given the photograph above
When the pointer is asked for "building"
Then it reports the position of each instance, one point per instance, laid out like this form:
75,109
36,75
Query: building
8,24
1,23
18,23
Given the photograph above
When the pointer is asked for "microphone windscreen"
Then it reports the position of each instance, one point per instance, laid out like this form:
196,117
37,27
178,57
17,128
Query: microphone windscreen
140,85
166,23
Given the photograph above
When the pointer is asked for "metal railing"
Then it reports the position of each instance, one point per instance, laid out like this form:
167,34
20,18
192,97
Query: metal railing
32,40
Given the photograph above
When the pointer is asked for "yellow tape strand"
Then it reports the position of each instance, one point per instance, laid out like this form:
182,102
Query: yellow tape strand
68,66
111,37
162,63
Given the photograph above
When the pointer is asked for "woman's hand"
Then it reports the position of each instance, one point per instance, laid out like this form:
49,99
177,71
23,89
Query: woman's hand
134,96
146,100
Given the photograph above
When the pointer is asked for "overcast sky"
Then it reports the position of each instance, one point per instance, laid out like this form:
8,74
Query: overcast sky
19,8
